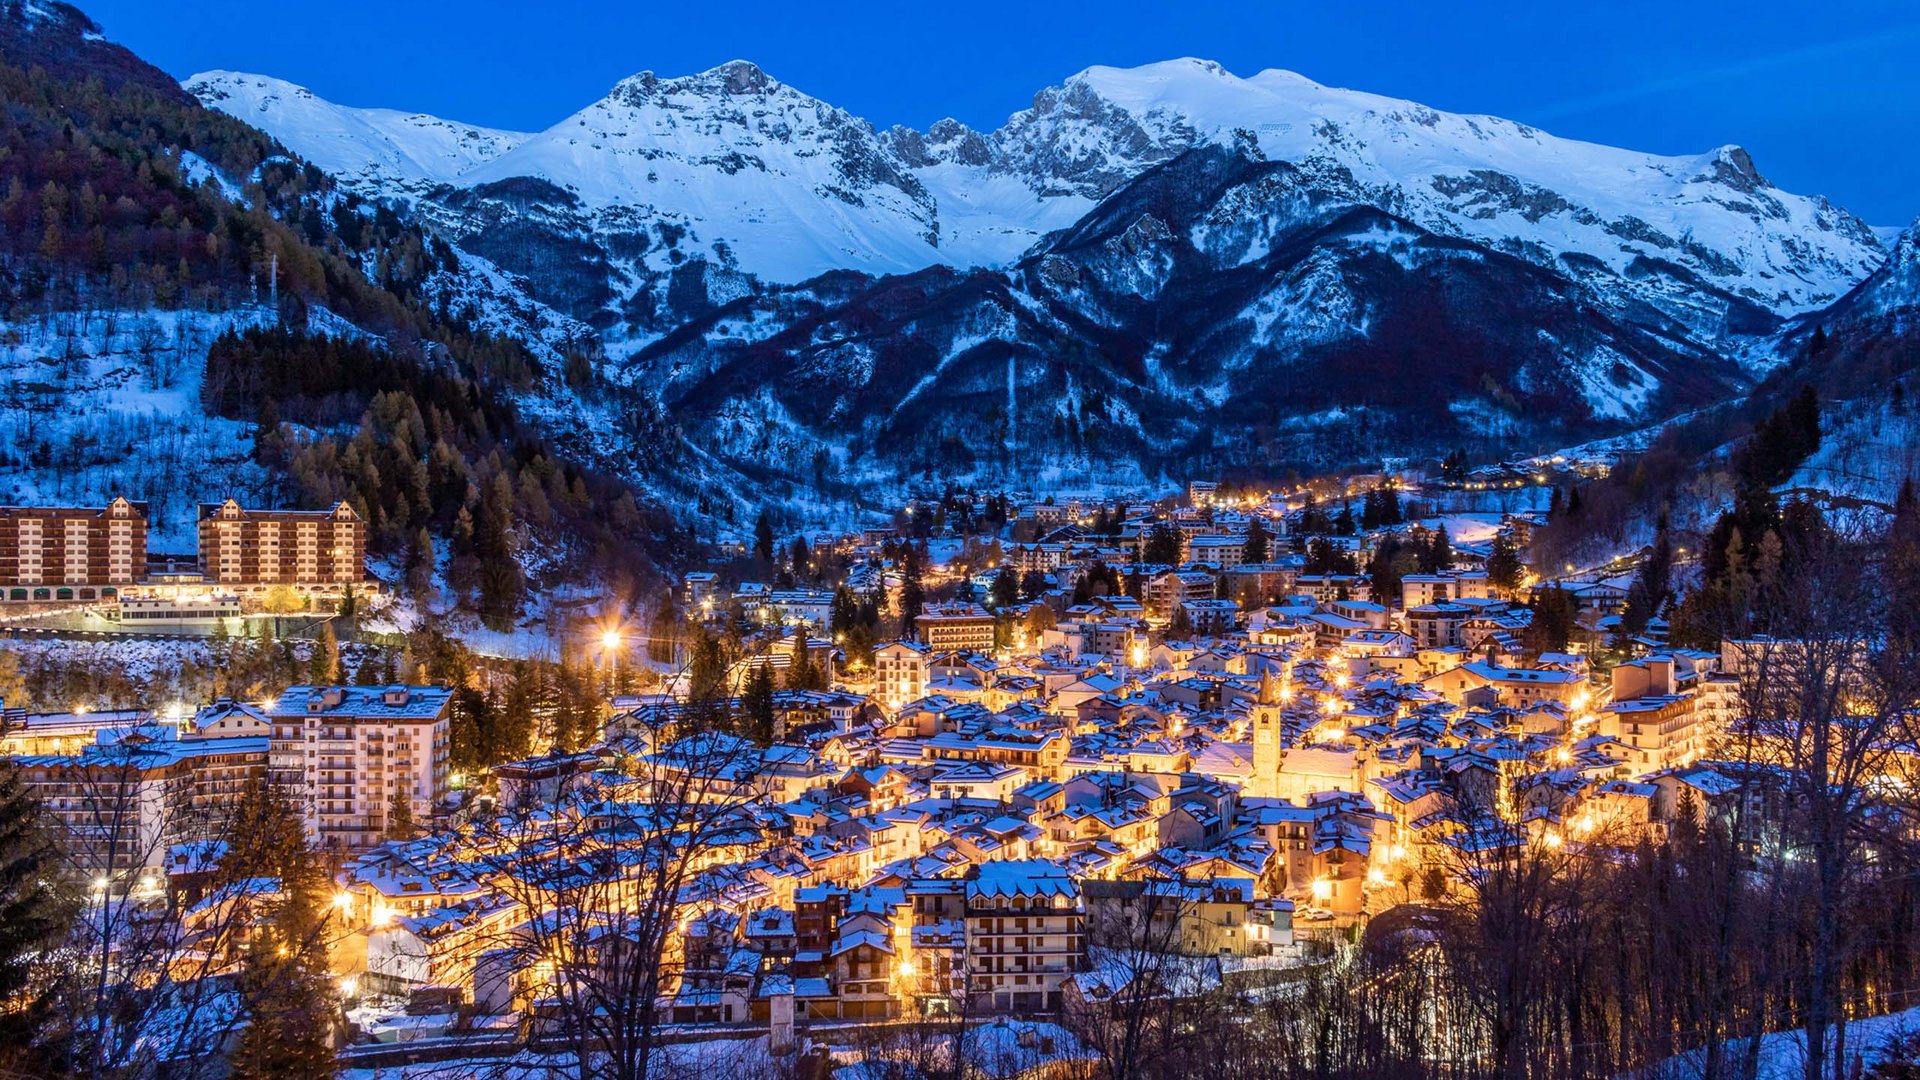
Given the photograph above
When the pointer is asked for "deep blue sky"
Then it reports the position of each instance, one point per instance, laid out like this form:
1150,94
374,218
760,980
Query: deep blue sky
1828,101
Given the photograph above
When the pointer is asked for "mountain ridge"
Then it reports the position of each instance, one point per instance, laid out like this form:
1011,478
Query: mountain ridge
896,200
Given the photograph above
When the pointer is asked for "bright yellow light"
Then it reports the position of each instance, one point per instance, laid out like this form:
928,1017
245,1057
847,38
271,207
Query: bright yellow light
1580,700
610,640
382,915
1552,839
100,883
268,704
906,967
1333,706
1322,889
342,900
1563,755
1376,876
1397,852
349,986
1334,734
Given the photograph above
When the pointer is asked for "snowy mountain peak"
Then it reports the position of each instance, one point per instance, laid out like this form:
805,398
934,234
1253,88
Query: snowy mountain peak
381,149
739,78
1732,166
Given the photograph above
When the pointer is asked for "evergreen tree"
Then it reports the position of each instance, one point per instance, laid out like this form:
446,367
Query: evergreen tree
400,816
1388,565
285,985
1162,545
800,672
756,706
844,612
33,913
912,595
763,538
324,662
1006,588
706,681
1649,589
1504,568
1257,547
1438,556
1553,620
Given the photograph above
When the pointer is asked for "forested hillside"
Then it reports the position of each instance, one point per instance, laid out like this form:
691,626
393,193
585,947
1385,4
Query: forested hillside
372,380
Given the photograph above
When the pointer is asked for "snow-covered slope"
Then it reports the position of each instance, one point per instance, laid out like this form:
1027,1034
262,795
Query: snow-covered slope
785,184
377,150
1479,177
755,175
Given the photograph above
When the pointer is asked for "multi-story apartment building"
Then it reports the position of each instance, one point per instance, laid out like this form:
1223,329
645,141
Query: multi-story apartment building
65,553
1024,935
955,627
127,800
348,751
1166,591
1223,551
900,673
252,551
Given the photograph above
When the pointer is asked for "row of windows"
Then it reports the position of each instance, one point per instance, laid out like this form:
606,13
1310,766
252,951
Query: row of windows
62,594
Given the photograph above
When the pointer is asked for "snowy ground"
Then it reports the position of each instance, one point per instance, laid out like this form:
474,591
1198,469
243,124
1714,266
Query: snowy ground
109,404
1866,455
1783,1054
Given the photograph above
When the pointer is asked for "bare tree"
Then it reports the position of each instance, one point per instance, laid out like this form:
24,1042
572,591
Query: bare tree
172,896
1146,971
608,881
1821,713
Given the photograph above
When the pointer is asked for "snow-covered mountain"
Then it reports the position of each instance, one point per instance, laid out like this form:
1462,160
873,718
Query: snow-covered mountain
739,169
1149,266
374,150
